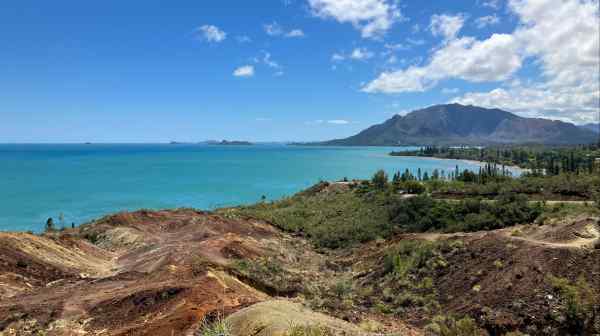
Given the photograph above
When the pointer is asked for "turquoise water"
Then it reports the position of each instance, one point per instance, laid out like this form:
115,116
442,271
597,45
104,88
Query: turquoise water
84,182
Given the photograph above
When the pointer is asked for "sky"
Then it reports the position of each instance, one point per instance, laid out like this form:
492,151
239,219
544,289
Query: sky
284,70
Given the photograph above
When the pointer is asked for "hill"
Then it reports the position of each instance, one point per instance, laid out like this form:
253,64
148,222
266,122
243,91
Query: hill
456,124
591,127
336,259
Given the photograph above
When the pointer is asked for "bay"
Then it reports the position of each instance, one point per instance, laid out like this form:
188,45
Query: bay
83,182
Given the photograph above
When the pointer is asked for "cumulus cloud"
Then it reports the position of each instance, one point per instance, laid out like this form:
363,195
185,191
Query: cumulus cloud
361,54
494,4
358,54
494,59
275,29
295,33
560,37
269,61
396,46
446,26
331,122
336,57
372,17
564,37
488,20
244,71
338,122
212,33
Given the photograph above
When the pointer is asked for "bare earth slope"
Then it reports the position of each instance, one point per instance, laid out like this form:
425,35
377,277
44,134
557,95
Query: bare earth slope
164,272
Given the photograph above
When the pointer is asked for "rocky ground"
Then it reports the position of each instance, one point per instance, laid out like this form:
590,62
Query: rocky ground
172,272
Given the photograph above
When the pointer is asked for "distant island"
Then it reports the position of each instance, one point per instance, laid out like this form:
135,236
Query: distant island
229,143
215,142
456,125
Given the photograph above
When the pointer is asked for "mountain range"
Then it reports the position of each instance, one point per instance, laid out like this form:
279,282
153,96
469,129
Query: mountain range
592,127
455,124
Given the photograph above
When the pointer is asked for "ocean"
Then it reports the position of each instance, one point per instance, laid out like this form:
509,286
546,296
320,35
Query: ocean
84,182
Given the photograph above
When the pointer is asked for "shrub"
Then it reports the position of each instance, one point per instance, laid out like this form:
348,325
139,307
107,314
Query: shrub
380,180
342,288
268,275
414,187
449,326
307,330
409,256
220,327
581,303
199,265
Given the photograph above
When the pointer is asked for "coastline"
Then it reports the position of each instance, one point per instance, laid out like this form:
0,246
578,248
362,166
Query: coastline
473,162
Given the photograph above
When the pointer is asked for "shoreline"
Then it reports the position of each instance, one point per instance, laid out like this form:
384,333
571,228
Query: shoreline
475,162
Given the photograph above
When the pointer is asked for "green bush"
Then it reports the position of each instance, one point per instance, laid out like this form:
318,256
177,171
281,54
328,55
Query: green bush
414,187
220,327
422,214
269,275
449,326
581,303
380,180
307,330
409,256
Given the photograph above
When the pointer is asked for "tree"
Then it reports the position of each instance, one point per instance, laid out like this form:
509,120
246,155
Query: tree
414,187
50,224
380,180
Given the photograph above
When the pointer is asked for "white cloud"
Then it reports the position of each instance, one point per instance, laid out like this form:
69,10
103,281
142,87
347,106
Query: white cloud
295,33
494,4
270,62
446,26
338,122
337,57
392,59
212,33
331,122
396,46
244,71
487,20
563,37
273,29
466,58
360,54
372,17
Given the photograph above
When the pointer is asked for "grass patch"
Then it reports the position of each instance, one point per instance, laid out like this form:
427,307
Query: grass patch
450,326
219,327
307,330
580,304
268,275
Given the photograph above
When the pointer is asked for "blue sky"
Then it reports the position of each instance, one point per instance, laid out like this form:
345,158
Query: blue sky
283,70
